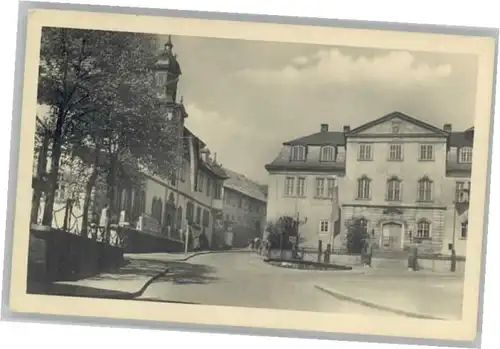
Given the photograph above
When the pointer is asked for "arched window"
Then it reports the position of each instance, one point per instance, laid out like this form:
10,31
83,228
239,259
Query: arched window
298,153
364,188
328,153
465,155
393,189
423,229
425,189
464,229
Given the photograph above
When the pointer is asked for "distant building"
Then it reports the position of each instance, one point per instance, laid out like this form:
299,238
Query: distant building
403,178
244,207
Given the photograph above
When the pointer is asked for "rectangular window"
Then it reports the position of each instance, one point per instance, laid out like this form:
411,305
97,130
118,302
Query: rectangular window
200,182
424,190
330,187
324,226
301,181
395,152
365,152
206,218
364,189
426,152
464,230
465,155
298,153
462,192
218,190
209,186
393,190
198,215
320,187
289,186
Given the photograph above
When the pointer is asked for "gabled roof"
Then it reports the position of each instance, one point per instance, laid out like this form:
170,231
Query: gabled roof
320,138
242,184
397,115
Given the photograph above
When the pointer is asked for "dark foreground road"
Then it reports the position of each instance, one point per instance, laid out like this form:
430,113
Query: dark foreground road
243,279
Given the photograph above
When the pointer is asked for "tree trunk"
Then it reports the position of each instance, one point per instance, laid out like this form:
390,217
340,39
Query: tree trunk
86,202
54,170
111,185
40,171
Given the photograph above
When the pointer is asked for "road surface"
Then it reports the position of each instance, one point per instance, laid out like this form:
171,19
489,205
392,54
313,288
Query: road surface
243,279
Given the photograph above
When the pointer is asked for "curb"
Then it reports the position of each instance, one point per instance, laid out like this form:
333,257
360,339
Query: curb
372,305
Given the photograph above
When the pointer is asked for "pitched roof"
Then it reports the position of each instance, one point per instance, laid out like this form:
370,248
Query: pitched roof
245,185
320,138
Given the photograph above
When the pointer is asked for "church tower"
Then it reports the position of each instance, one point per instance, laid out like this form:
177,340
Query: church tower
167,72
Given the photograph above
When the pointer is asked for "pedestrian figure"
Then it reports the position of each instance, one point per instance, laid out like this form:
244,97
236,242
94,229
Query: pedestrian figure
256,243
367,252
413,258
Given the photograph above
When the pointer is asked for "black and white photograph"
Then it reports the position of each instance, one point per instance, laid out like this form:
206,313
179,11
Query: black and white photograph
190,170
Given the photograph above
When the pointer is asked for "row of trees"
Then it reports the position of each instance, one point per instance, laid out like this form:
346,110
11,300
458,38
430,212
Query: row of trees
104,118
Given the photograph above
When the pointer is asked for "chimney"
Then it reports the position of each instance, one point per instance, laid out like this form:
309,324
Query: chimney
324,127
447,127
347,128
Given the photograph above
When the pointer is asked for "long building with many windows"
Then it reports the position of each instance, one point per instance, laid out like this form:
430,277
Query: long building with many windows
403,178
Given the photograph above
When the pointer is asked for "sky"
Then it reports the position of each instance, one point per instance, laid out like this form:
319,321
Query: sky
245,98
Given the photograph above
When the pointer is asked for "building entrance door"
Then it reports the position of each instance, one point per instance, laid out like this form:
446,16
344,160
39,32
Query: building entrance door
391,236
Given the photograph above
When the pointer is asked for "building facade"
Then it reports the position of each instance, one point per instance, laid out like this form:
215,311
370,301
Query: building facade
303,184
244,207
404,179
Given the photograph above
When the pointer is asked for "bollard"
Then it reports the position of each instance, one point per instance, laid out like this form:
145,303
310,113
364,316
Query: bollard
320,250
413,258
327,253
453,266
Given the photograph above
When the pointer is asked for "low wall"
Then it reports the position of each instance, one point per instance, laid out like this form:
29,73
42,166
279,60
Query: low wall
56,255
136,241
425,262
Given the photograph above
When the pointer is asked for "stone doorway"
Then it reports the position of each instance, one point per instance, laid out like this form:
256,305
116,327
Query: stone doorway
391,238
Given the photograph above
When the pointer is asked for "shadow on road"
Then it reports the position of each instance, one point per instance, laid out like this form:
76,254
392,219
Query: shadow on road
189,273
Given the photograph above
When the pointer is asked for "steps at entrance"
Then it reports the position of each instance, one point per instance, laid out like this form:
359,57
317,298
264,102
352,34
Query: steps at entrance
390,254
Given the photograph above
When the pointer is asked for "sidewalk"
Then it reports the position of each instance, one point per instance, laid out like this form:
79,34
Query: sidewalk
413,294
127,282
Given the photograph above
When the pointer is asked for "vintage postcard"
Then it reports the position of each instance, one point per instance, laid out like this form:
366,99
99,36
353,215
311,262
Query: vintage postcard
253,174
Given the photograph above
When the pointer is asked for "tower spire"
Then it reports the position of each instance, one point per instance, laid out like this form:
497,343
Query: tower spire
169,45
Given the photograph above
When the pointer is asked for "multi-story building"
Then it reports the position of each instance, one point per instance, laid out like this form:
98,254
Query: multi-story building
302,184
405,179
244,207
